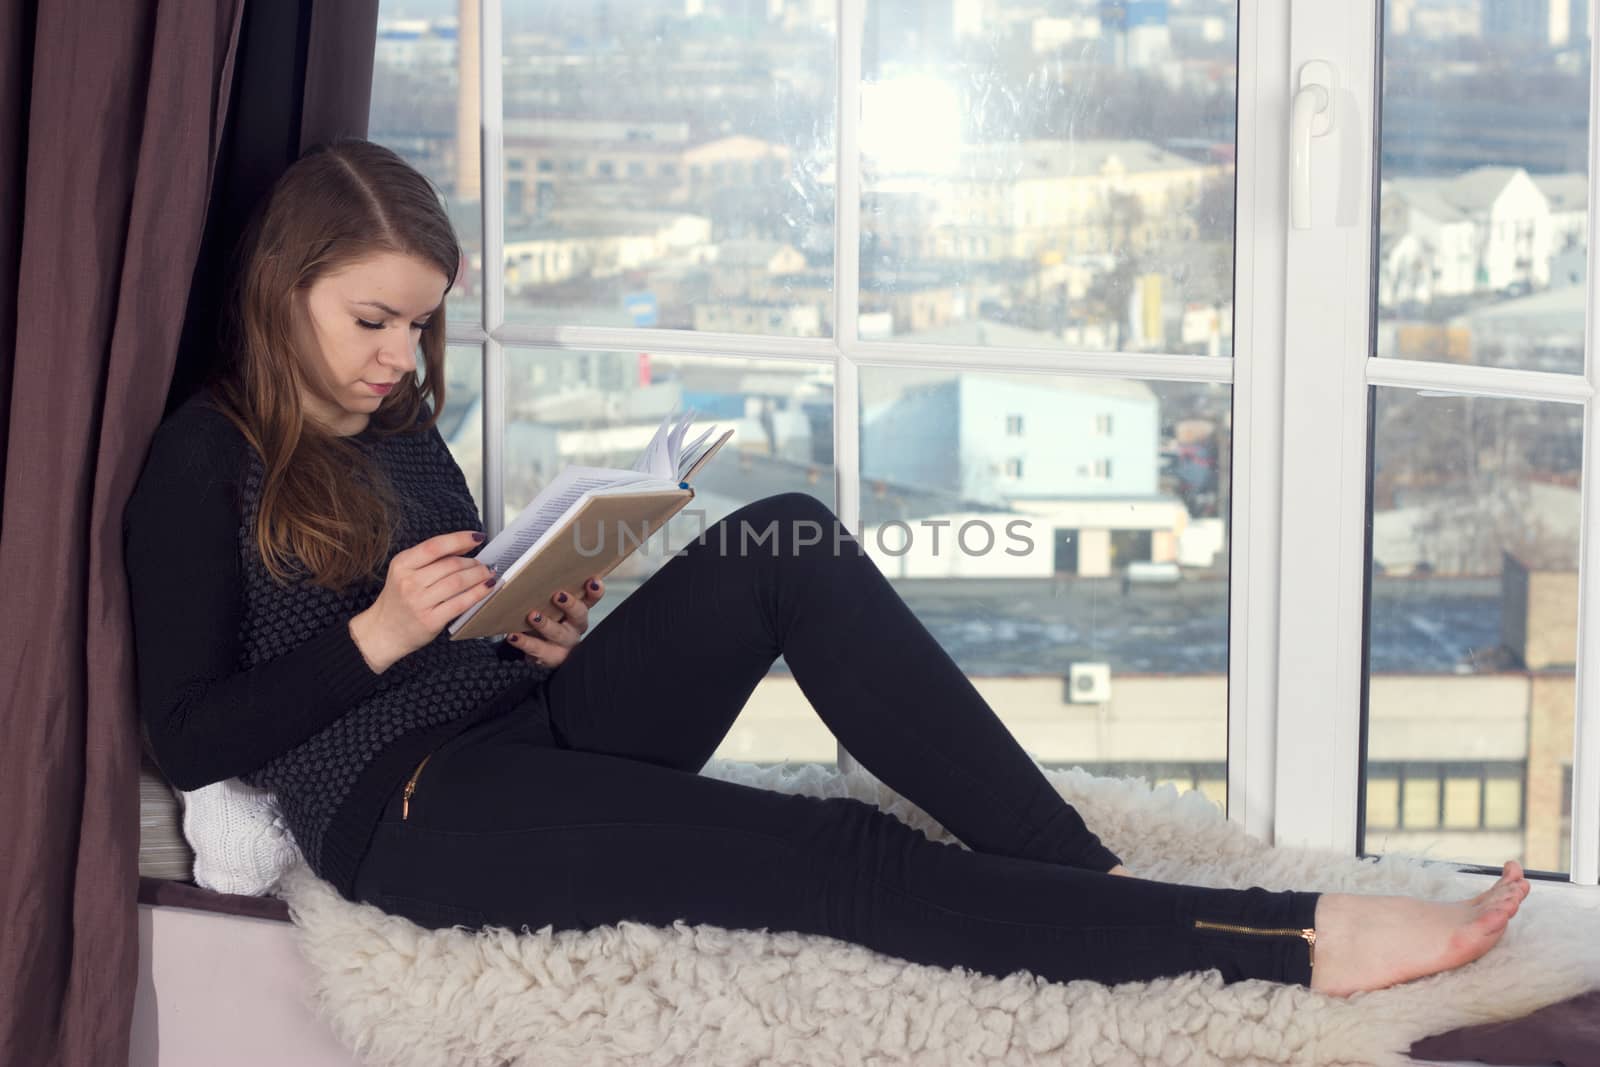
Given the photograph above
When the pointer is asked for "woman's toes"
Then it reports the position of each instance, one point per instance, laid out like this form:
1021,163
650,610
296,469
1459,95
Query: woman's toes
1495,911
1510,875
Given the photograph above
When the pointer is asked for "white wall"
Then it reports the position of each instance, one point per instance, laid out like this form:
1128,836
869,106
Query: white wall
225,989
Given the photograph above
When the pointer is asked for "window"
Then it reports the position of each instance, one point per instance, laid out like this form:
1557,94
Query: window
1434,454
902,233
1132,546
1473,808
1419,802
760,222
407,82
1472,514
1383,801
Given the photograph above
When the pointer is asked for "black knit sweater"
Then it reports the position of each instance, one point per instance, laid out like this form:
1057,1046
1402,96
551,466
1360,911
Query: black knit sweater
241,677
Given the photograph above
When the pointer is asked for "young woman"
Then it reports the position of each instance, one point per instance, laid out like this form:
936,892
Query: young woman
300,537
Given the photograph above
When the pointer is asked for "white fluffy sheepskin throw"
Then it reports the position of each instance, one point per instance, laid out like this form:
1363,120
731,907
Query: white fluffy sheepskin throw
635,994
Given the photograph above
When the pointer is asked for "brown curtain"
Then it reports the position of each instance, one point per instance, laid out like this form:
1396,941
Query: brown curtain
303,74
112,121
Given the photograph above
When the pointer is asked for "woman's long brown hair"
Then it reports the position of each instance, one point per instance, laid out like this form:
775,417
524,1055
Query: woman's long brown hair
325,511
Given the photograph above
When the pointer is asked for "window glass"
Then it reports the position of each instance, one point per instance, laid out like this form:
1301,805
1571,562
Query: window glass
1480,258
1472,621
419,110
692,165
1087,603
1383,801
601,409
1483,203
1049,175
1420,800
1461,803
461,419
1502,804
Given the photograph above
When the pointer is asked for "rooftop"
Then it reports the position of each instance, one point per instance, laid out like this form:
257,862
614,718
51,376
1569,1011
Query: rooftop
751,476
1566,192
1468,193
885,384
1562,300
1011,160
1017,627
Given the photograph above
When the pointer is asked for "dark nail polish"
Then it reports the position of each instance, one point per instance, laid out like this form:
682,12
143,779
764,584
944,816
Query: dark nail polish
561,598
538,618
492,579
594,585
477,537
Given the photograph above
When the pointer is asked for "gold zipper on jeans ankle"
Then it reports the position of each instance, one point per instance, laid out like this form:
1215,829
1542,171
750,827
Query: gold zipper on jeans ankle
411,784
1308,934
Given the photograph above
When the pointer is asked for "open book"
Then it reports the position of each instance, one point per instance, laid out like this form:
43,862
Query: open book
584,523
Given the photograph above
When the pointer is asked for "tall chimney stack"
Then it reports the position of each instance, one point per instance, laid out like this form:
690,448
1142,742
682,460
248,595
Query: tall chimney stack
467,115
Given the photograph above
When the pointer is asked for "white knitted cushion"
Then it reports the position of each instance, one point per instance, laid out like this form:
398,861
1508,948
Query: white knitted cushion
241,844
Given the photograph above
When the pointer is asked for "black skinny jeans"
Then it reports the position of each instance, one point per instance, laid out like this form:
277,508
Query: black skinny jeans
583,806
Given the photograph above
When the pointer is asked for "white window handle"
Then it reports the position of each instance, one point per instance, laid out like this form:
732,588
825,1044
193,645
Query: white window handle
1311,116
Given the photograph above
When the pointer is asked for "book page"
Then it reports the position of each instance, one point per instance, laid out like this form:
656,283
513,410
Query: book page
554,500
692,454
660,457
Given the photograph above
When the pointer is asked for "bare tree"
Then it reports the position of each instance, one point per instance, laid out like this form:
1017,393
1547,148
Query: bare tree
1473,466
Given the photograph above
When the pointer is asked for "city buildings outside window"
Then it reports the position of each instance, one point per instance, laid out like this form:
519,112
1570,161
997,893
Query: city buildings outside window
1058,190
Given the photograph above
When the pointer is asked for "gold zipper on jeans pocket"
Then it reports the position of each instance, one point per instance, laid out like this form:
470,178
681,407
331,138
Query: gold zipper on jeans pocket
1309,935
411,785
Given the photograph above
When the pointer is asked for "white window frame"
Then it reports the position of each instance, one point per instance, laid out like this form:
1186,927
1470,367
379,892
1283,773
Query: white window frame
1293,730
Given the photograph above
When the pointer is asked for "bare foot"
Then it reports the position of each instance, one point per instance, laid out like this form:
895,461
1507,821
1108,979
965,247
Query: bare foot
1369,942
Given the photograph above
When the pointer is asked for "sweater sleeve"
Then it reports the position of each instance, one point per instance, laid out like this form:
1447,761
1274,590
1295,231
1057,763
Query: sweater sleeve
206,720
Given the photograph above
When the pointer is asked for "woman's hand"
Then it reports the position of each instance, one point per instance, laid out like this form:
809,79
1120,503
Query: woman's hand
552,638
427,585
